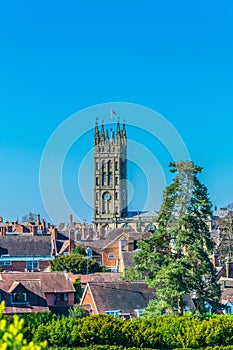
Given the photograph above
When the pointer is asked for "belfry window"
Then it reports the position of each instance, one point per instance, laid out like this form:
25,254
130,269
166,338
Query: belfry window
109,178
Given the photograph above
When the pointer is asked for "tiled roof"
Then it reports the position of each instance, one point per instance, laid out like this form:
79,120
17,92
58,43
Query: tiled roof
123,296
98,277
26,245
128,259
50,281
36,298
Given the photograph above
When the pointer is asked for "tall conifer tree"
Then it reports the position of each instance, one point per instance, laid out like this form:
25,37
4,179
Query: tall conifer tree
176,258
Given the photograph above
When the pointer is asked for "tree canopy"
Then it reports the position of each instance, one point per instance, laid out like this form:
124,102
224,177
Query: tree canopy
176,258
75,263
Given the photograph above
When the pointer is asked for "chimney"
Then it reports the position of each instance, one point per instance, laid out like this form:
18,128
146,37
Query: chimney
71,220
1,219
34,230
49,226
43,226
38,219
3,230
53,232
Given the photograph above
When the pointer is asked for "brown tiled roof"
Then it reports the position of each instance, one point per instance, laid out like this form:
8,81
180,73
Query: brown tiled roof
26,245
50,281
113,236
98,277
222,272
123,296
36,297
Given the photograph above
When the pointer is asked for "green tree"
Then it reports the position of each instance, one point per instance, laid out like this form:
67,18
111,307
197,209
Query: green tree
78,289
175,259
11,334
77,312
75,263
78,250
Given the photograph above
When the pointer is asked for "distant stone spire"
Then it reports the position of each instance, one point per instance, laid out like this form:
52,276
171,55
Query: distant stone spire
118,131
123,133
107,136
102,135
97,134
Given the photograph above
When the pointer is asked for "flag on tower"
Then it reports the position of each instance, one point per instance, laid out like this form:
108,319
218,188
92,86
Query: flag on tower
113,112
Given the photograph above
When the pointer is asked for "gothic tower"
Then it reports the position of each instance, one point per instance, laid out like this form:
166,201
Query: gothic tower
110,169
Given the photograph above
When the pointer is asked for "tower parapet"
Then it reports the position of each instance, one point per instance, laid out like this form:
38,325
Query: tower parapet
110,170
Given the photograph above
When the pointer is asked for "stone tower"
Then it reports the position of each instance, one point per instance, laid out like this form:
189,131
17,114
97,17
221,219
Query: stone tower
110,171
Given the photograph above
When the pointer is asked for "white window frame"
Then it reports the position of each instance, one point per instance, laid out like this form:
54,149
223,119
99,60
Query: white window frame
111,255
32,265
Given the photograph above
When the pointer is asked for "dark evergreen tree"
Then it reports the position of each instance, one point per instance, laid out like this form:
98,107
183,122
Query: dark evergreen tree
176,258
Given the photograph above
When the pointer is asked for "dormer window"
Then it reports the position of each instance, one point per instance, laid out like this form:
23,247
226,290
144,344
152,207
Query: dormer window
19,298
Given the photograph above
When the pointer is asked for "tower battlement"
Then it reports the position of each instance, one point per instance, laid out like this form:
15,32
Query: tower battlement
110,171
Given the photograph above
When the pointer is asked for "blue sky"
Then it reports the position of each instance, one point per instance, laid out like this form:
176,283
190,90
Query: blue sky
58,58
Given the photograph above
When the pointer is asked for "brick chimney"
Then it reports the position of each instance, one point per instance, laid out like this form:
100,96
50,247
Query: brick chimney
34,230
53,232
71,220
3,230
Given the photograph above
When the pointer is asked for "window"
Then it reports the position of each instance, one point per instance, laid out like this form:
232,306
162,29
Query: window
61,297
32,265
97,181
116,195
19,297
97,196
103,178
97,165
111,255
116,180
109,178
97,210
116,165
5,263
113,312
139,312
109,165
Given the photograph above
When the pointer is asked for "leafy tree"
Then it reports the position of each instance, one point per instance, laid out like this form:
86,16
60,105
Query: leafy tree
79,250
78,289
175,259
77,312
130,274
11,334
75,263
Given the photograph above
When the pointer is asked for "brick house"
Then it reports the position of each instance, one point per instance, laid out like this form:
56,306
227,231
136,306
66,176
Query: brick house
112,247
122,299
25,253
36,292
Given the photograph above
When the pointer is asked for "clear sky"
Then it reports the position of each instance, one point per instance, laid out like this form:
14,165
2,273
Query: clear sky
59,57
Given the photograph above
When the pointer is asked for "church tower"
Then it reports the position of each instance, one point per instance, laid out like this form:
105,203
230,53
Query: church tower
110,171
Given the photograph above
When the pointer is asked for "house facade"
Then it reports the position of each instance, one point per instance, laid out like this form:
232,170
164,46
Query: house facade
36,292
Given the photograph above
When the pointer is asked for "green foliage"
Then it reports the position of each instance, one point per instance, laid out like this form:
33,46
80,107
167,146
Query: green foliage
131,274
11,335
162,332
175,259
78,250
77,312
78,289
75,263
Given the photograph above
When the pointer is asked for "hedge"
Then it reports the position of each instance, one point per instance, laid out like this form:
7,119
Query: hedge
164,332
